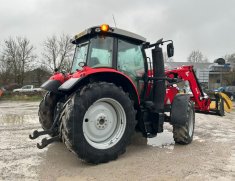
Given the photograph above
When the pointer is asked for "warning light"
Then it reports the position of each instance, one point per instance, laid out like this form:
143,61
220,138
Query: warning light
104,27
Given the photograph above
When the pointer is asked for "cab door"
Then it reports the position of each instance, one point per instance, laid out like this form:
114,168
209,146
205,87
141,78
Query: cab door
130,61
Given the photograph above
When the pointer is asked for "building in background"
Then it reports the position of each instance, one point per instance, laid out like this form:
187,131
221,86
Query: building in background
221,75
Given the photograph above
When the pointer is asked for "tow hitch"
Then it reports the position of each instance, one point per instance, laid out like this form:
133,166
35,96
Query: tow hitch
51,131
37,133
46,141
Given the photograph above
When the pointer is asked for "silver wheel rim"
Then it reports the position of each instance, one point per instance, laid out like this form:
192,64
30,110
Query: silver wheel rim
190,124
104,123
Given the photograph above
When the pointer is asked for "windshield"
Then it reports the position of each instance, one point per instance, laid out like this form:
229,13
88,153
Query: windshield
79,56
99,53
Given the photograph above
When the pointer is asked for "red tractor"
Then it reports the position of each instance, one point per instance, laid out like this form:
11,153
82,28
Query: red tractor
113,90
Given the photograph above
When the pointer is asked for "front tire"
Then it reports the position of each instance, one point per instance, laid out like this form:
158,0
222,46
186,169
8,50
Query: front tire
183,134
98,122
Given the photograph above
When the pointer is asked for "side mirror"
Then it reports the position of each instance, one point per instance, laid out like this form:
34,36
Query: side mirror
170,50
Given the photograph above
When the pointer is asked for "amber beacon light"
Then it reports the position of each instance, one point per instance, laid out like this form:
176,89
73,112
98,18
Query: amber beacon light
104,27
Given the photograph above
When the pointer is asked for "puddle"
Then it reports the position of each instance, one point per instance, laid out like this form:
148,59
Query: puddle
13,119
162,140
18,113
19,108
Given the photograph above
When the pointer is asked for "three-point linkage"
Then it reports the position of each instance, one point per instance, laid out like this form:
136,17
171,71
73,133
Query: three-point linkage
51,131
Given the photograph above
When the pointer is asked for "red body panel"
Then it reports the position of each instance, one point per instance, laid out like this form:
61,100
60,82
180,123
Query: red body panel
185,73
60,77
171,92
86,71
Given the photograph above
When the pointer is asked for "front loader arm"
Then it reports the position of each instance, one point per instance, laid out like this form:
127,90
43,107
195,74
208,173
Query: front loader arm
186,73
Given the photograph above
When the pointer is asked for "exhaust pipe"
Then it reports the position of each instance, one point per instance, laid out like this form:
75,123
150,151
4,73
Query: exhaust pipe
159,86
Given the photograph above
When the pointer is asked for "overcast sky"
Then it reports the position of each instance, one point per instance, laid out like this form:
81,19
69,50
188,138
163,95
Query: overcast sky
205,25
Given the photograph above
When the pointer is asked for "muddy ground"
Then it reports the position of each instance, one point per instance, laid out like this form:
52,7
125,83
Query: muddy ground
211,156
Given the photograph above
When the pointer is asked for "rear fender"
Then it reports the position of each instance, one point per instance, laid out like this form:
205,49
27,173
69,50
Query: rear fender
112,76
51,85
54,82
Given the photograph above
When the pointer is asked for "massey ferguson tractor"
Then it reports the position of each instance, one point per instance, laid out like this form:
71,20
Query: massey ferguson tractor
114,89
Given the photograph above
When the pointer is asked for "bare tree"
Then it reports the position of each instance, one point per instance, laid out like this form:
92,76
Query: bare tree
197,57
17,57
5,70
26,56
57,52
230,58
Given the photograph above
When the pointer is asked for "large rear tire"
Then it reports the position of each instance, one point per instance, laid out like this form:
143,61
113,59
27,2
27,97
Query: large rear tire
98,122
47,109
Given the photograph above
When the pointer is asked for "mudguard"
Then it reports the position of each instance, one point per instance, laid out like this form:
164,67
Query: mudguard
69,84
51,85
100,74
179,109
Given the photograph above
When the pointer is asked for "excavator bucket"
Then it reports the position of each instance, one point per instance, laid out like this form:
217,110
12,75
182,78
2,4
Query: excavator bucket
224,99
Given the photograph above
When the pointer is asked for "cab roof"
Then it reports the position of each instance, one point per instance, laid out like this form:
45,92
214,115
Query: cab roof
110,31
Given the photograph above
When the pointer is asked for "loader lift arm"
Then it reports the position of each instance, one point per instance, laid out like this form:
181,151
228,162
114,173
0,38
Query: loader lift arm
186,73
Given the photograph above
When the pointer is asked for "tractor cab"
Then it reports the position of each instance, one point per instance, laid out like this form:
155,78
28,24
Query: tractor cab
106,47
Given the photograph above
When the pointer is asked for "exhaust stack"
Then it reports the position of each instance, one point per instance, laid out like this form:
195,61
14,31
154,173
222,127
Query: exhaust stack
159,87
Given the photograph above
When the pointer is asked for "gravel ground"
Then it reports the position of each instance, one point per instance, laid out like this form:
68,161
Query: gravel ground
211,156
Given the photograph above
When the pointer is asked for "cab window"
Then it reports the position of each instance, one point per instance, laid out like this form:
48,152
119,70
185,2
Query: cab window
79,56
130,59
100,52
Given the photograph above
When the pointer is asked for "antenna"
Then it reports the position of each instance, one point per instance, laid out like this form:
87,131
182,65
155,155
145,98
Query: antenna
114,21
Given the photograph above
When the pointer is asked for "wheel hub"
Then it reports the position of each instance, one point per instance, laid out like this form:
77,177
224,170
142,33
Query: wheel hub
102,122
